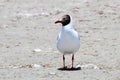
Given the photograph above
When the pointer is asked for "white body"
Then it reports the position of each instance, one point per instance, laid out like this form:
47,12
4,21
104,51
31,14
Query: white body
68,41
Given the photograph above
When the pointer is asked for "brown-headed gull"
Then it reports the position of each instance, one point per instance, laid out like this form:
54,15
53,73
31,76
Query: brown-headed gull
68,40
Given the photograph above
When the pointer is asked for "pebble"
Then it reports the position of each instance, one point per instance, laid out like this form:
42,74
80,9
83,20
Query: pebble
37,50
88,66
36,66
52,73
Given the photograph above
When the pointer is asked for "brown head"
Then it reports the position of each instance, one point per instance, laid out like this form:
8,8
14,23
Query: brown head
65,20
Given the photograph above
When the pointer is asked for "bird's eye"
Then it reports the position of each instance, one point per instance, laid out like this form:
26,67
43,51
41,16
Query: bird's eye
63,18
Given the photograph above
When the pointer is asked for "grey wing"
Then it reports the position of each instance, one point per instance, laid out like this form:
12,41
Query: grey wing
58,37
79,36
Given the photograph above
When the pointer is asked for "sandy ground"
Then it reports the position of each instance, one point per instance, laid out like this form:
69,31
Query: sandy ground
26,25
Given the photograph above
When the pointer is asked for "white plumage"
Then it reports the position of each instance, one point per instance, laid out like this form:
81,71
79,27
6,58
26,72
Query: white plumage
68,40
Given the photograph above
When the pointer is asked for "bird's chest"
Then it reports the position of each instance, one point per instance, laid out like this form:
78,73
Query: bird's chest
66,40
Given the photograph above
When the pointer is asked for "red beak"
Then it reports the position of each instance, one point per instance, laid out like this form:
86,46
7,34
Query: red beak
58,21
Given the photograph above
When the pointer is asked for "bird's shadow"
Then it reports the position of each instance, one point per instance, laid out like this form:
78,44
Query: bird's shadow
69,69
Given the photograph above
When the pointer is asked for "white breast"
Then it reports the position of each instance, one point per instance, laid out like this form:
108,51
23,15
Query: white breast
68,41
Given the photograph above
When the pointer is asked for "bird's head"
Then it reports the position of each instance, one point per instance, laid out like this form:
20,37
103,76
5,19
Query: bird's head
64,21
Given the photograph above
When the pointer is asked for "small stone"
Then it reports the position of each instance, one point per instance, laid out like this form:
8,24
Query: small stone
100,12
77,66
88,66
86,31
37,50
36,66
52,73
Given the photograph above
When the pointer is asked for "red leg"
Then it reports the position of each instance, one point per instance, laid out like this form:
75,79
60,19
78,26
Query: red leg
72,60
63,61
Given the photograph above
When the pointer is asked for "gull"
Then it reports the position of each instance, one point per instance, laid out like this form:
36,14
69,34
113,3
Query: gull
68,40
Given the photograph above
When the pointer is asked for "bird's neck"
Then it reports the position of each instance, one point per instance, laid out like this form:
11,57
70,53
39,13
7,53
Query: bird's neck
67,27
